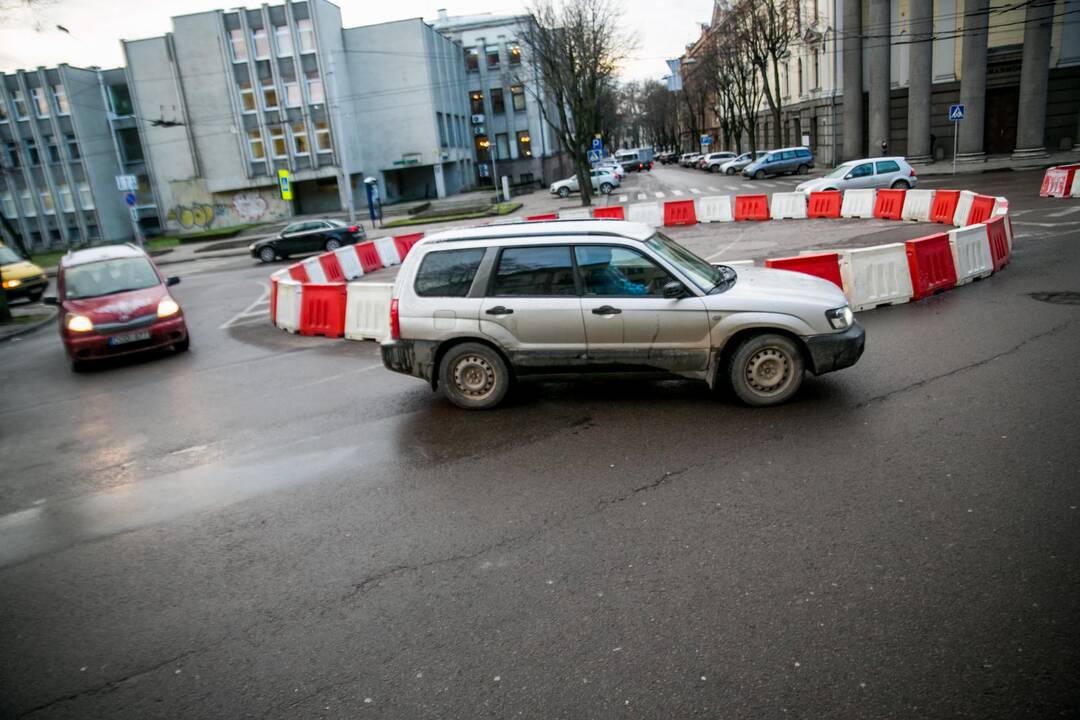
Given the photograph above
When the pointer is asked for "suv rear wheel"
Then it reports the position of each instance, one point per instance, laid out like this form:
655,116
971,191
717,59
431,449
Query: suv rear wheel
803,169
474,377
766,370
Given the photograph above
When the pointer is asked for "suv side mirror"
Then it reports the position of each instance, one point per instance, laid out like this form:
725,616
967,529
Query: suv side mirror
50,300
849,176
172,281
674,289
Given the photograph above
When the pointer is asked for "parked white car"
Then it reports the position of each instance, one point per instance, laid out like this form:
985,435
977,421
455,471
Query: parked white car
612,165
713,161
735,166
885,172
603,181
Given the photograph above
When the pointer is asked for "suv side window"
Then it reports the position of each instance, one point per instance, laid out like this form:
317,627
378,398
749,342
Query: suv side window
610,271
788,154
862,170
534,271
448,273
803,153
887,166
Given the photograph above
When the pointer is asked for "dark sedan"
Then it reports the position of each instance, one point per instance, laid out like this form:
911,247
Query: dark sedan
306,236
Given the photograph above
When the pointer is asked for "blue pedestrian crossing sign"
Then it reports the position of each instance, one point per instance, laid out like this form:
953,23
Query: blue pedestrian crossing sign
956,112
594,156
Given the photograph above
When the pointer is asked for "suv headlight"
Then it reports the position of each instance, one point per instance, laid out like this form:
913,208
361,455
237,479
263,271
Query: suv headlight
840,318
78,323
167,307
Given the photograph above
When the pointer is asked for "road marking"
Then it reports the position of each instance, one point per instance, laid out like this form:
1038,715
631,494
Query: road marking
641,196
658,194
623,198
320,381
695,191
1063,213
1028,223
251,310
713,188
676,193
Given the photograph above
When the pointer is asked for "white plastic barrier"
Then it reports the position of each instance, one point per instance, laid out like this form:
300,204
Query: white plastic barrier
963,208
714,208
788,206
314,269
858,204
876,276
1001,207
971,253
367,310
581,213
1074,191
349,262
388,252
735,263
917,204
651,214
289,298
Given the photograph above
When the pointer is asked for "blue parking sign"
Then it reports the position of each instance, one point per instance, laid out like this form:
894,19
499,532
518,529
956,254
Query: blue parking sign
597,144
956,112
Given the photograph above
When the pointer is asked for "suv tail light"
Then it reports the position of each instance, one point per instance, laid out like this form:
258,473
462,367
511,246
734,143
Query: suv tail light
395,321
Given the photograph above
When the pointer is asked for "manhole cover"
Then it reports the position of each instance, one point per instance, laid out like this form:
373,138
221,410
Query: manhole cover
1063,297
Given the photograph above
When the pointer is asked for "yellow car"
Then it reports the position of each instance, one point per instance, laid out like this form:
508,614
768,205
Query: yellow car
21,278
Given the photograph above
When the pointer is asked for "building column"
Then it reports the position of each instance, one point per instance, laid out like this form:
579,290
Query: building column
854,145
880,75
920,80
973,81
1034,73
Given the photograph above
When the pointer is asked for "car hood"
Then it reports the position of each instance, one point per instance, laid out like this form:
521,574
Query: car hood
784,291
812,185
120,307
752,166
21,270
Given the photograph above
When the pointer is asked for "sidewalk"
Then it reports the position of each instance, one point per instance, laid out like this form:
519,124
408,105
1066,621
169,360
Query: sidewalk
27,318
995,163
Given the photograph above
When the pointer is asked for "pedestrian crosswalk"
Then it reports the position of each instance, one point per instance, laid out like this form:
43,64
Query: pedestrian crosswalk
724,188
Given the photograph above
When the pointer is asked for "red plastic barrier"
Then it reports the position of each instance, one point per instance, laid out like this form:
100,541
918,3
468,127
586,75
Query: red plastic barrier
944,206
930,261
999,241
1058,180
299,273
369,256
273,299
322,310
822,265
889,204
404,243
541,218
825,204
981,207
331,267
751,207
679,212
615,212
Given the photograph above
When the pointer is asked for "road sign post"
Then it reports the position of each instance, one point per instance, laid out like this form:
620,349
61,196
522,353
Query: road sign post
956,114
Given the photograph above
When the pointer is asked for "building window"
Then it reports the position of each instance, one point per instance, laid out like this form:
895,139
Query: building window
502,146
269,94
277,142
247,98
515,54
13,154
60,96
517,96
67,202
472,59
20,104
256,149
53,149
130,148
306,32
798,70
299,138
322,138
440,121
524,142
315,88
483,148
261,43
492,54
237,45
86,198
498,107
120,97
283,40
31,148
3,112
28,207
72,146
817,69
7,204
476,102
41,105
47,203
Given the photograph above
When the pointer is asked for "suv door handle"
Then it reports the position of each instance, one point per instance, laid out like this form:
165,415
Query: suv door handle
606,310
499,310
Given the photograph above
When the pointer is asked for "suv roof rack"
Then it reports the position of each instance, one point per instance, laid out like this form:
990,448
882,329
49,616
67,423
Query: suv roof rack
510,236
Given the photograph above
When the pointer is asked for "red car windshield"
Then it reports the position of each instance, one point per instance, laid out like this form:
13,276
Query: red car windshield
109,277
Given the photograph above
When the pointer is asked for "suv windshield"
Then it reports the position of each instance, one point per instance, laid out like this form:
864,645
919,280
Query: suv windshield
840,171
8,256
709,278
109,277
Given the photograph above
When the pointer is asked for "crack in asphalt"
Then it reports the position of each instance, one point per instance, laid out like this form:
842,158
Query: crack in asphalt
963,368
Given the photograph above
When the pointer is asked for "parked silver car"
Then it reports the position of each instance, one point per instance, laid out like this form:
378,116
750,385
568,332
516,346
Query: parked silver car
713,161
733,166
475,309
795,161
886,172
603,181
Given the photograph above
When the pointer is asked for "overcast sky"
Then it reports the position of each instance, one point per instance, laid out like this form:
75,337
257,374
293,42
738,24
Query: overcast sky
27,40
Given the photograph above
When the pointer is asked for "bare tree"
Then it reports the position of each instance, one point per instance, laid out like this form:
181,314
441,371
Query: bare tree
578,46
768,27
659,119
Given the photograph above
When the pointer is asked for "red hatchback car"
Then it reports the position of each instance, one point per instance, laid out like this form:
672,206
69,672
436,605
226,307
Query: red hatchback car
113,301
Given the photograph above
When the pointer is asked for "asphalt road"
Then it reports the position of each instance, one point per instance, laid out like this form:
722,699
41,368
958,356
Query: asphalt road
274,526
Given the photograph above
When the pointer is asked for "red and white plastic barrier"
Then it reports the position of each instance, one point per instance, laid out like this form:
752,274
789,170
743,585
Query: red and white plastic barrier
788,206
1061,181
714,208
367,311
858,204
876,276
971,253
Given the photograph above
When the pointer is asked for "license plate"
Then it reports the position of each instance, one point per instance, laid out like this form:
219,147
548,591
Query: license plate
129,337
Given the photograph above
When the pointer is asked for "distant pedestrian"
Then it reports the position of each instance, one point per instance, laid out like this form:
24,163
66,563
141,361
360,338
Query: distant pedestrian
884,147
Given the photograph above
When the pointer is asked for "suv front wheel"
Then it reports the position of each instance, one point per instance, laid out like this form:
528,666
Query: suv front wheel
766,370
474,377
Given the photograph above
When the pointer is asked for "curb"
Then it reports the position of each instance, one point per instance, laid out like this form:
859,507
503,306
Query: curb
25,329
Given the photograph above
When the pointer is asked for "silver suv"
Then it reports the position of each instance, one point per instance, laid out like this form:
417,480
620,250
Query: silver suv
475,309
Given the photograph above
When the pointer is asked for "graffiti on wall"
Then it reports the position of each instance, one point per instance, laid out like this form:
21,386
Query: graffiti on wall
194,209
251,207
197,216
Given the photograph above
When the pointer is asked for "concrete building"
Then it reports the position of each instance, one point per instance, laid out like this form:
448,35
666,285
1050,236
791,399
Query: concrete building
230,98
509,133
65,135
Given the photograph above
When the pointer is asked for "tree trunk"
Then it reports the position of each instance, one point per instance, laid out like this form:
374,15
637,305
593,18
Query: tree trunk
778,107
584,178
